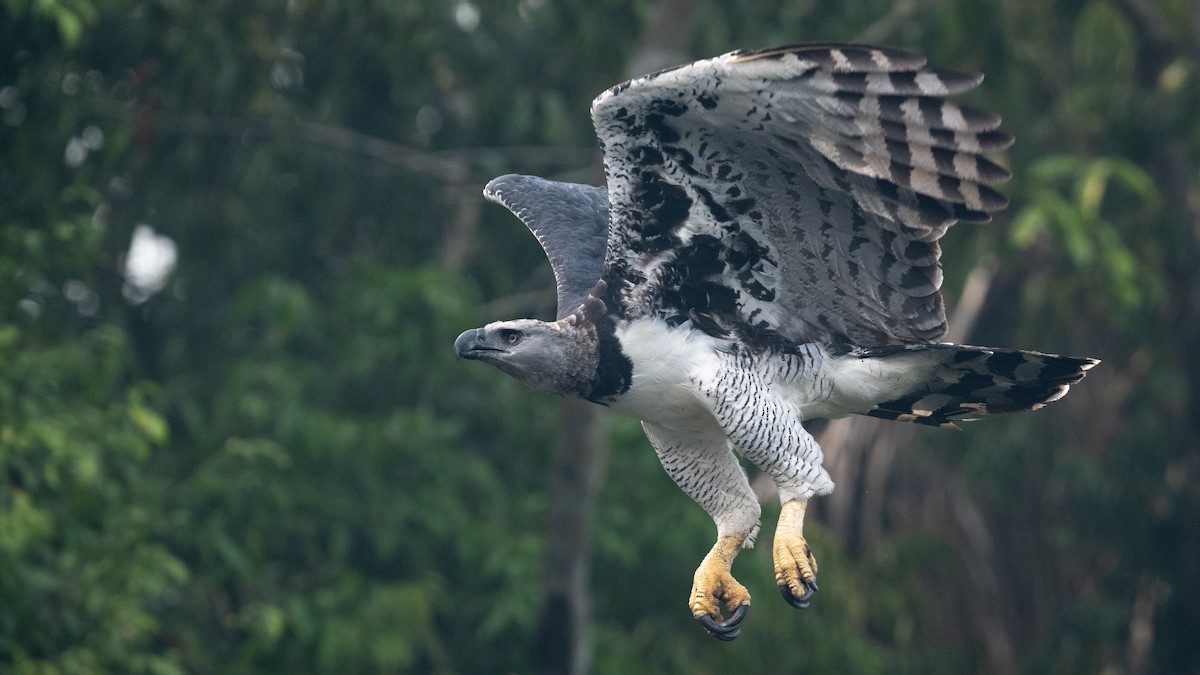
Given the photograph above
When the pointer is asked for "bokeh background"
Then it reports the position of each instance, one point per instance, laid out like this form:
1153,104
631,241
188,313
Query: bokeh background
238,238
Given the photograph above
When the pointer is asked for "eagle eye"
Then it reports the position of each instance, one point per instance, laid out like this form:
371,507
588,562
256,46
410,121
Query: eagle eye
511,337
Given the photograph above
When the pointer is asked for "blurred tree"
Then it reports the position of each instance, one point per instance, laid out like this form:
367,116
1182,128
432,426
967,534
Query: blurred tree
272,463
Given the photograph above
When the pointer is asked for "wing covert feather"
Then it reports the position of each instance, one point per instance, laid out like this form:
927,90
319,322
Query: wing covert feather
799,189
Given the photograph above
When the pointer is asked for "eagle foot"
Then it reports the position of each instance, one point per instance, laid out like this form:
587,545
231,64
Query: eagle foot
795,566
714,587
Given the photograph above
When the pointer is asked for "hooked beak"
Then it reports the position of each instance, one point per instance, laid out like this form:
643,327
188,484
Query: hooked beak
473,344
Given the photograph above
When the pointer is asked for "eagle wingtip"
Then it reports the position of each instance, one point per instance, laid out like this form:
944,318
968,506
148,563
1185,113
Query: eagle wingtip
494,188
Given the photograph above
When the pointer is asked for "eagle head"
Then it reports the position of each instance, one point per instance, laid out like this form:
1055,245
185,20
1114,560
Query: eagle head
558,357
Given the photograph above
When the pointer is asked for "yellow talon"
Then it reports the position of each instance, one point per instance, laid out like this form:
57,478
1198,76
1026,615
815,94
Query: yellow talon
795,566
714,586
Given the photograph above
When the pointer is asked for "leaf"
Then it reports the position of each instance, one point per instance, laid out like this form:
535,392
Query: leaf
22,524
152,425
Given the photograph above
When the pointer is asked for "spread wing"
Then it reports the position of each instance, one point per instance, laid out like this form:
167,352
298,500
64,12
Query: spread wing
801,189
570,221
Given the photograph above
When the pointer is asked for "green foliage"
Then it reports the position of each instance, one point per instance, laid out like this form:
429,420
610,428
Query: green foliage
85,570
1076,225
275,464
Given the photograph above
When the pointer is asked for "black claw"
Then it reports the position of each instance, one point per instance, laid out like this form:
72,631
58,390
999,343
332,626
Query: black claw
726,630
810,587
727,637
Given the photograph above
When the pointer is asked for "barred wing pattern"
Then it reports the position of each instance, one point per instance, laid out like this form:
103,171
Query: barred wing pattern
799,189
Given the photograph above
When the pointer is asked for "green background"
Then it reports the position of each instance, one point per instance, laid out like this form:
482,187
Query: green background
276,464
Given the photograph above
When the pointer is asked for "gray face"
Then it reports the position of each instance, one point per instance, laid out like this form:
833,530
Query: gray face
559,357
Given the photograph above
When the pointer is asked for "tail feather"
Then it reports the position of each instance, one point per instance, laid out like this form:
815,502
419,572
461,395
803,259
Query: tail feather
971,381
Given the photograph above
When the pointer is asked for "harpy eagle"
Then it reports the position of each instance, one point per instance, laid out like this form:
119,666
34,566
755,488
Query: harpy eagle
766,252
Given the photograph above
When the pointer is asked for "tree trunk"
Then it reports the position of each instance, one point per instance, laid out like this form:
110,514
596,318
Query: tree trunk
562,644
